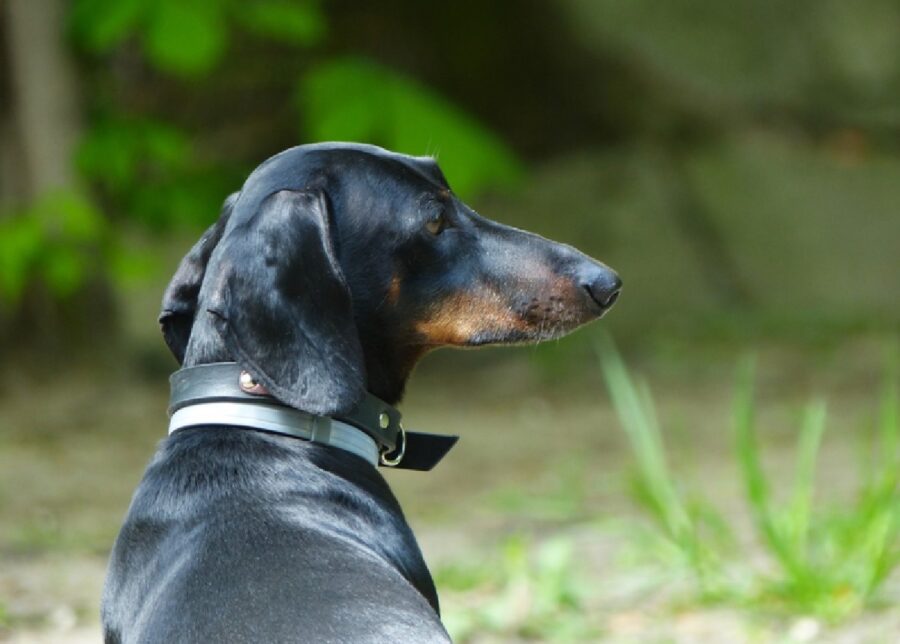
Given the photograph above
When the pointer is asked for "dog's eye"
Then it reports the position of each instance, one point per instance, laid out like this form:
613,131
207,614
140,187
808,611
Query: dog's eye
436,225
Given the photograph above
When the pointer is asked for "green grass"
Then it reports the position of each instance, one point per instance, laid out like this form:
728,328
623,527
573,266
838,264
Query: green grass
830,560
655,487
527,590
805,555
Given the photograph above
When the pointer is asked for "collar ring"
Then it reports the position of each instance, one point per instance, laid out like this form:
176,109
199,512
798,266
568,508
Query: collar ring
388,461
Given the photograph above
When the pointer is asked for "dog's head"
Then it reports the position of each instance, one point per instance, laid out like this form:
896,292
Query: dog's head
336,267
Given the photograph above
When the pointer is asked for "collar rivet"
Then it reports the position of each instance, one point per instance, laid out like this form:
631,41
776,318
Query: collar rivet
384,421
247,381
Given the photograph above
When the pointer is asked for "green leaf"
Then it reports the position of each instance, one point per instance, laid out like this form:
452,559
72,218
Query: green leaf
64,270
349,99
121,154
129,265
166,146
149,170
56,238
185,37
295,23
107,154
100,25
67,217
20,246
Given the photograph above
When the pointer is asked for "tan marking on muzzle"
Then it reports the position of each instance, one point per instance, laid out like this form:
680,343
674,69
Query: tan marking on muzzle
462,316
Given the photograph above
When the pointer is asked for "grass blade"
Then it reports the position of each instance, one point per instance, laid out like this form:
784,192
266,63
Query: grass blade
804,477
755,482
635,409
637,415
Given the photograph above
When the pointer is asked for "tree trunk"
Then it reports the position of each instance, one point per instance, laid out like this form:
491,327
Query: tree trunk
40,124
44,99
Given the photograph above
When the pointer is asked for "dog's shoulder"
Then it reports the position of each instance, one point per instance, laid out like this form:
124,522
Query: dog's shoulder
228,526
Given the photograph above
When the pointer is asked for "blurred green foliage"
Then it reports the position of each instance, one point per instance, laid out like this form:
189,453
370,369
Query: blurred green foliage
831,562
357,100
190,38
735,162
147,170
527,590
60,240
148,167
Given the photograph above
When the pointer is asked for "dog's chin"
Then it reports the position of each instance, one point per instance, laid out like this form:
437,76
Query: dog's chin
534,332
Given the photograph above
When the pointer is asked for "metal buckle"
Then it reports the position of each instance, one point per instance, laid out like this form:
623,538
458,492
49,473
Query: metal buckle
394,462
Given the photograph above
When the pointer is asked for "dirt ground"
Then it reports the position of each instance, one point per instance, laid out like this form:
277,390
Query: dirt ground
539,457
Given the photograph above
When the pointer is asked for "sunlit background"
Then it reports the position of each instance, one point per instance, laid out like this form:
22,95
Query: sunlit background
738,163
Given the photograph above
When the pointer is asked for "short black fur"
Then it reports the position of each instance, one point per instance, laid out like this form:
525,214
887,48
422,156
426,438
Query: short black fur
331,273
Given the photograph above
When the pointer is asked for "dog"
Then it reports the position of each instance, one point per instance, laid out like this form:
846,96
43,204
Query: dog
325,279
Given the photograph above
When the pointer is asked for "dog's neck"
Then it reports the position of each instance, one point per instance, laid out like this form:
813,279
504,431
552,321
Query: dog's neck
205,346
387,368
388,371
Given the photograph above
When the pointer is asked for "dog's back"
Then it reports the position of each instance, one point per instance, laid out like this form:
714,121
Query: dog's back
238,536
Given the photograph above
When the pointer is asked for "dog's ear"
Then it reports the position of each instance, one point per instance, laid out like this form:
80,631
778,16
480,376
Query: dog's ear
180,299
282,306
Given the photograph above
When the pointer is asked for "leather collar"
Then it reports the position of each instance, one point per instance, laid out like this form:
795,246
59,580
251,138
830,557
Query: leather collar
199,393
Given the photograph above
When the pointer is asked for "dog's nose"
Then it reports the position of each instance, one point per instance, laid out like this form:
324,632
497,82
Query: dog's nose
603,285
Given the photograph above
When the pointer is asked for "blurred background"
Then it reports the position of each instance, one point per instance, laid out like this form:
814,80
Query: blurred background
737,163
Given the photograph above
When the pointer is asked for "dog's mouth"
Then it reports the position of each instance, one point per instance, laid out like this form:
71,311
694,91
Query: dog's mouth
489,316
541,320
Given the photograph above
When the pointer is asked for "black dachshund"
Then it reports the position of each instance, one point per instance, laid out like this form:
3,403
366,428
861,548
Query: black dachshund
332,271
